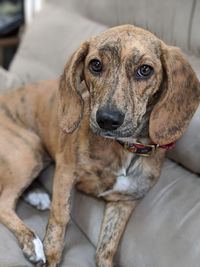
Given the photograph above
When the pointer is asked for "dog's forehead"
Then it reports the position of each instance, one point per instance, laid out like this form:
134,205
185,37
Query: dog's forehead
126,40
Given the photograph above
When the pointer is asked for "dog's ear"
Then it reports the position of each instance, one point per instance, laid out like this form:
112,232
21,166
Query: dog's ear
179,100
71,104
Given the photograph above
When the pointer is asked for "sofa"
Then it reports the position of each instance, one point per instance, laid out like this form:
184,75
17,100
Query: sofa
164,230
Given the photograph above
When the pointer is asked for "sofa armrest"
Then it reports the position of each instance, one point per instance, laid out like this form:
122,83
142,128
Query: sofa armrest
187,149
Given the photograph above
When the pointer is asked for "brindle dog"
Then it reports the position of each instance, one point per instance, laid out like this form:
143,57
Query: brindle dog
122,87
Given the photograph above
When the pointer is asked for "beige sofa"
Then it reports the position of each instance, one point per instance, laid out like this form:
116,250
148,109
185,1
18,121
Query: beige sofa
164,231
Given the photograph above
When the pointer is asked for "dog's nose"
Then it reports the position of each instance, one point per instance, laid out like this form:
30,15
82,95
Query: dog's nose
109,119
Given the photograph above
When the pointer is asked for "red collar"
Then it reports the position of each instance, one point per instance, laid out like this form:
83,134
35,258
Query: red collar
145,150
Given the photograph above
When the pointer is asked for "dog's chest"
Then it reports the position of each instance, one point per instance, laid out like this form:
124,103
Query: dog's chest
132,181
106,172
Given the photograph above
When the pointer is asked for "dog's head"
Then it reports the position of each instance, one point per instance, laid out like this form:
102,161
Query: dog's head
138,86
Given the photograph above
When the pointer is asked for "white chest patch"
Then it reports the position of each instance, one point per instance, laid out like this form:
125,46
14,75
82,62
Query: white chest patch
132,179
122,184
123,181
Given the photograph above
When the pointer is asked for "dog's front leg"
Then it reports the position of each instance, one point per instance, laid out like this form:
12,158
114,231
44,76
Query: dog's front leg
59,214
115,219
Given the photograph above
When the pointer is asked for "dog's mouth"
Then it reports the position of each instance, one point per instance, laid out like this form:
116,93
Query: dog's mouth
122,135
128,132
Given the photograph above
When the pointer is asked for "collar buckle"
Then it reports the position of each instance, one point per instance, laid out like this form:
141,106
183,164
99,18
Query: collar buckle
141,149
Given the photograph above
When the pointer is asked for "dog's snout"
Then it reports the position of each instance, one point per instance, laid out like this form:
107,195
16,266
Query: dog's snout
109,119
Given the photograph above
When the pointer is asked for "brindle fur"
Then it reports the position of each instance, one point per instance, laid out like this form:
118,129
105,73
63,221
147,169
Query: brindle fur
157,109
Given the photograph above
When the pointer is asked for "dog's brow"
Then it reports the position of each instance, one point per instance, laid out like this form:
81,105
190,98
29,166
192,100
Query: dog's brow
110,46
133,60
136,56
113,47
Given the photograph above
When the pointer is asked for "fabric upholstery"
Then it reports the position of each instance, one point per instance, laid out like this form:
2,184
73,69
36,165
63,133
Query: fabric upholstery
175,22
53,38
163,230
194,43
78,252
8,80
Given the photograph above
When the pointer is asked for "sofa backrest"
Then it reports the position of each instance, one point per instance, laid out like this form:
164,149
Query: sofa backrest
177,22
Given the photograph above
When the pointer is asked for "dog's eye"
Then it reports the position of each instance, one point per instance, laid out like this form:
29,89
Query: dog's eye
144,72
95,66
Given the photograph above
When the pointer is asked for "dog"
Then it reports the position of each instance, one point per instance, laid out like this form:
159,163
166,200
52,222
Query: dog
123,99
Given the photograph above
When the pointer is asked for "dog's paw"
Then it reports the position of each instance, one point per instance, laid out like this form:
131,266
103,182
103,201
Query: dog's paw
34,251
103,261
37,197
53,251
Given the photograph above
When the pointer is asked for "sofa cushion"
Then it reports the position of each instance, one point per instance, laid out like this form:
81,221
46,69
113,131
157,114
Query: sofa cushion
78,251
194,41
49,42
170,20
164,229
8,80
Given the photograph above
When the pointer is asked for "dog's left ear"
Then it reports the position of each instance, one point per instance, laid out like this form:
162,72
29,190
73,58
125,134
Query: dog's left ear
71,104
180,99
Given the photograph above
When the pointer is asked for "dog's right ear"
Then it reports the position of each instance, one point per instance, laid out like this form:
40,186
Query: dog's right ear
71,104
